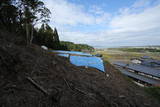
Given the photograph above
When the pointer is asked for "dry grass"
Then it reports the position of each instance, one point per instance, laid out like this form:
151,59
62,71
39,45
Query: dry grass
117,55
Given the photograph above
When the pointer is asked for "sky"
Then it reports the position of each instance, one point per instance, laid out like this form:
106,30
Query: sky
106,23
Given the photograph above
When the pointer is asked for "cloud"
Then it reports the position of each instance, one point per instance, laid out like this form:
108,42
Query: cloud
67,13
141,3
138,24
96,10
132,28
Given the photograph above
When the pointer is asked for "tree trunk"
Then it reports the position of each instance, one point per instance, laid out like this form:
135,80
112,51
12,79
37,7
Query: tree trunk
31,39
27,33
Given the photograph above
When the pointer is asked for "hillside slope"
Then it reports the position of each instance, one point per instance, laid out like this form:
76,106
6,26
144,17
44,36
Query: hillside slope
32,77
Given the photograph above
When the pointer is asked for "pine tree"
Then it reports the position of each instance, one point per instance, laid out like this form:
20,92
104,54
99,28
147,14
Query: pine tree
56,36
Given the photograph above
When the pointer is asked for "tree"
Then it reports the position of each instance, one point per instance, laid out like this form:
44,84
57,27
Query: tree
23,15
8,15
32,12
46,36
56,36
76,47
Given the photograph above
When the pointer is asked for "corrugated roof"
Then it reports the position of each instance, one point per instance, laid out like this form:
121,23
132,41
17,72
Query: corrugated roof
140,68
140,77
150,61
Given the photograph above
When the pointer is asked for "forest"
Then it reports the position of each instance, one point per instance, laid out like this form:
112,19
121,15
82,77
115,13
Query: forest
22,17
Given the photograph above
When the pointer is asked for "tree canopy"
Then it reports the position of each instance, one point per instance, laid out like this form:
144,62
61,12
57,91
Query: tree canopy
46,36
75,47
21,17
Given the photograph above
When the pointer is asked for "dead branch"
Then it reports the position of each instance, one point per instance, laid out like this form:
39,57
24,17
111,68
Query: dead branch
67,83
37,85
78,90
81,91
74,87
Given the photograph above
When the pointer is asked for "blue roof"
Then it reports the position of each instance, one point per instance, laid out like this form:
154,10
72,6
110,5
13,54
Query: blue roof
94,62
140,68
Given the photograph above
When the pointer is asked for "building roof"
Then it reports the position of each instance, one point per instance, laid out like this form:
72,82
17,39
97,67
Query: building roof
146,57
140,77
140,68
151,61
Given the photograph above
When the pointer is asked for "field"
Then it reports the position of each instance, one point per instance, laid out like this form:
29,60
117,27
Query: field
125,54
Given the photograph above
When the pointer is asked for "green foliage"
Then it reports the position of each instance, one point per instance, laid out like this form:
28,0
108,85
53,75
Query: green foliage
46,36
154,91
32,11
76,47
22,15
139,49
8,15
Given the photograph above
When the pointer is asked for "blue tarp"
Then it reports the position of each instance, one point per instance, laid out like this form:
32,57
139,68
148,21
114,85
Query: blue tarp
94,62
64,55
73,52
83,59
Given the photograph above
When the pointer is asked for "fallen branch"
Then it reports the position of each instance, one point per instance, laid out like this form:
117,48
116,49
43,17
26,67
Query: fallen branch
81,91
74,87
78,90
67,84
37,85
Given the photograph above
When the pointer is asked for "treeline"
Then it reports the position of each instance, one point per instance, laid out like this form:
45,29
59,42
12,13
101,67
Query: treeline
75,47
48,37
139,49
22,16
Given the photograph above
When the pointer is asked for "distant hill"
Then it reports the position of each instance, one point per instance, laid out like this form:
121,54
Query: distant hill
65,45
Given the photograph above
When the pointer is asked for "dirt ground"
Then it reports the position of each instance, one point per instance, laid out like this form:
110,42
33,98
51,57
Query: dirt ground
33,77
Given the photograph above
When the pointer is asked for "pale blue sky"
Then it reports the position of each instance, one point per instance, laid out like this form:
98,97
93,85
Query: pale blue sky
107,23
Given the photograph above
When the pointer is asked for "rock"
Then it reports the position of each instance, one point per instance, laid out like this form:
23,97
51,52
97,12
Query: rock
107,75
44,47
122,96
